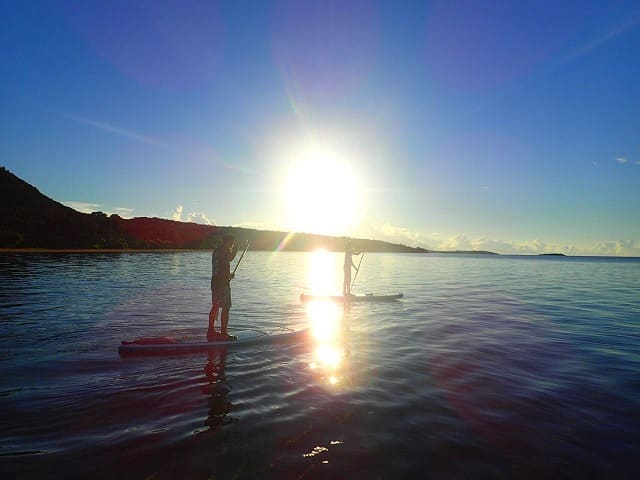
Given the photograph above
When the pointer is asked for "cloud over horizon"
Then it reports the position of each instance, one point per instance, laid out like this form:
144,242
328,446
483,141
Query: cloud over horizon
84,207
193,217
406,236
88,207
124,212
199,217
176,215
536,246
626,248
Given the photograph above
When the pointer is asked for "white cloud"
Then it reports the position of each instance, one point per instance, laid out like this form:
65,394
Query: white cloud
392,233
199,217
630,248
457,242
88,207
84,207
461,241
624,248
124,212
194,217
621,160
528,247
177,214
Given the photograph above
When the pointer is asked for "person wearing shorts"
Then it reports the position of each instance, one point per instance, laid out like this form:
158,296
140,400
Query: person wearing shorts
221,288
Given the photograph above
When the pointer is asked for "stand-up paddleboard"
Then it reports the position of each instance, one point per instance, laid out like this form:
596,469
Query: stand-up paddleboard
171,345
369,297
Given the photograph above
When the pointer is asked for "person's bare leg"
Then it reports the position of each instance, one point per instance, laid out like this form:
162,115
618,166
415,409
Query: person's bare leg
213,314
346,284
224,320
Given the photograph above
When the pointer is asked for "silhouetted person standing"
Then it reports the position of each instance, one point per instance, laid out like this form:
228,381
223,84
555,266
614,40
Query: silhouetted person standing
221,288
348,264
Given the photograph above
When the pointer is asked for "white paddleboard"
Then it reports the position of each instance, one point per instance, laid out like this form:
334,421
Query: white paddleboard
171,345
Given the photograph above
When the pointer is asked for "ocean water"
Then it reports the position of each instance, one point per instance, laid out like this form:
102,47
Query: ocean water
489,367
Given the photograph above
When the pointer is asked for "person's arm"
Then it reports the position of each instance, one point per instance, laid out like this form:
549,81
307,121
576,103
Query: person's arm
352,263
232,254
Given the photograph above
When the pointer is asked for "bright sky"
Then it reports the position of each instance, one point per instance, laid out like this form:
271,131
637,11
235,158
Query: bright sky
507,126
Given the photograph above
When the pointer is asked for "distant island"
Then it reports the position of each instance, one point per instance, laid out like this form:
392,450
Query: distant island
31,220
552,254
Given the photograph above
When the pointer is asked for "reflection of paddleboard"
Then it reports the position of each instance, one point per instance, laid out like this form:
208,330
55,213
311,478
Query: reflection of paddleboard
369,297
170,345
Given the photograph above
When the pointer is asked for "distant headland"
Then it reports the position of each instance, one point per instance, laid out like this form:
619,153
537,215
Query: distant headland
30,220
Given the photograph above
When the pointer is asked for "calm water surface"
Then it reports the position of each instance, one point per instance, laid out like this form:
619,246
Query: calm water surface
490,367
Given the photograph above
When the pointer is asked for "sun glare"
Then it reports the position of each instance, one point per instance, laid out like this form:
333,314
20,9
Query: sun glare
324,319
323,273
326,322
321,194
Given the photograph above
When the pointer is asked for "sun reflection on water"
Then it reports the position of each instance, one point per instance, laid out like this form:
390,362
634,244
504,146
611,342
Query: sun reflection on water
327,320
324,317
329,337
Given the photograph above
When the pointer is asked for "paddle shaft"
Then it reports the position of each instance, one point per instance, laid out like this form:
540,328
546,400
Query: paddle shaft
240,259
357,270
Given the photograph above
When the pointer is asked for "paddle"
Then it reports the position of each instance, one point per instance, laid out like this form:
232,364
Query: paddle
357,270
240,259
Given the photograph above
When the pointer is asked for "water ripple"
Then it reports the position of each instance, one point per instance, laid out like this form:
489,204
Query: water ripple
490,367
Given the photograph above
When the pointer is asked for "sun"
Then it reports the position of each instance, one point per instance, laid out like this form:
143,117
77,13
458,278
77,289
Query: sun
321,194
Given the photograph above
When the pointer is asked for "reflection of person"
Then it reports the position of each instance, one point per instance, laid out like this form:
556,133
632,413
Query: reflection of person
348,264
217,388
221,288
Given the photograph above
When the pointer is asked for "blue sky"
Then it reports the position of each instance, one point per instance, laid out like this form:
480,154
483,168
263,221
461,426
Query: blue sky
507,126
